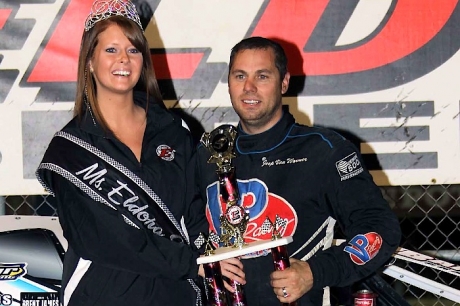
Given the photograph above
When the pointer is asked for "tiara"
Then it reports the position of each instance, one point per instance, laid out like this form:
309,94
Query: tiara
104,9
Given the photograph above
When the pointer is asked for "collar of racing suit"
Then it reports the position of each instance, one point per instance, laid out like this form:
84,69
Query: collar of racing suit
266,141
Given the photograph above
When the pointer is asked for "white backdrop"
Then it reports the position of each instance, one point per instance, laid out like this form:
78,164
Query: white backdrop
385,73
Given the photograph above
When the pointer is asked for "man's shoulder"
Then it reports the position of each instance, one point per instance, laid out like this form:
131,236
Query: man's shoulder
316,134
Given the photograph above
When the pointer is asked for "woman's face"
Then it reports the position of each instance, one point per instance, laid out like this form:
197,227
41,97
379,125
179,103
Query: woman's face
116,64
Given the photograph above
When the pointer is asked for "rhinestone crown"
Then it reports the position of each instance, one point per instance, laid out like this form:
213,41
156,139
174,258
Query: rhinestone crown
104,9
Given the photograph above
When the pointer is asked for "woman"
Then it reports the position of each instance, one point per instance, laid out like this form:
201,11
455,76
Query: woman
120,173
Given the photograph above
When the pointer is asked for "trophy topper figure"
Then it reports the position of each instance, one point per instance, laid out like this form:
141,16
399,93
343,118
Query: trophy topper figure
221,142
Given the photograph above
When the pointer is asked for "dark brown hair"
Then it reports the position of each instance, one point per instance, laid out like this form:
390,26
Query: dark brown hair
257,42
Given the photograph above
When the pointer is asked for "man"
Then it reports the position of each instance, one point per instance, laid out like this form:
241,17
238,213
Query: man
309,177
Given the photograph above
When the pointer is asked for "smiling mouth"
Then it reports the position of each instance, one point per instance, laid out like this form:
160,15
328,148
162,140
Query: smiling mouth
251,102
122,73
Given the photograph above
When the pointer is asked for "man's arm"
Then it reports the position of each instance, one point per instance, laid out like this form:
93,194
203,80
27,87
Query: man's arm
372,230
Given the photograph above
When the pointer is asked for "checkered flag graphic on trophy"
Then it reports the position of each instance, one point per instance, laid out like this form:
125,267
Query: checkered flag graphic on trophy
213,237
280,223
200,241
266,226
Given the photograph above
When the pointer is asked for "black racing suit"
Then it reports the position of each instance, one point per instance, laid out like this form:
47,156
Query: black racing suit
310,177
112,259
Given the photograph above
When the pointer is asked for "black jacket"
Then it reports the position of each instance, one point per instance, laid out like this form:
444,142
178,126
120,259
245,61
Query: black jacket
120,262
311,177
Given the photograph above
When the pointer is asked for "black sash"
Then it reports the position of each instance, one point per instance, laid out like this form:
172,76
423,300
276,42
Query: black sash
107,181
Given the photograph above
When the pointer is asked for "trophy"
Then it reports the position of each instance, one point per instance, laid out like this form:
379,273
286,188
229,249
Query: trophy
220,143
280,256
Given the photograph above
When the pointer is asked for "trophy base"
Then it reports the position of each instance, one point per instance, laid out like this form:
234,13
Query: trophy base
230,252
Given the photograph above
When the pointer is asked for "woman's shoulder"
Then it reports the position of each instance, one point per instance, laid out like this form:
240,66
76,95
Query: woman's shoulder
72,130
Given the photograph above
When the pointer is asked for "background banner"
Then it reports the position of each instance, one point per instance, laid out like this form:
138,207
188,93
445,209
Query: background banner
383,73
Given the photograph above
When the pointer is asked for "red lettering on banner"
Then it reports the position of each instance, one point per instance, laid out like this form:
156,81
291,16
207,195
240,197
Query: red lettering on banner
413,23
177,65
4,14
62,49
63,46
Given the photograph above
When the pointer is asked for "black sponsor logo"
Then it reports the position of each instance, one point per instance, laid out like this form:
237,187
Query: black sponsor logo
39,299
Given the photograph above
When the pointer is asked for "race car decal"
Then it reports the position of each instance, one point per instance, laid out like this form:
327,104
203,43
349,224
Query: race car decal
9,272
5,299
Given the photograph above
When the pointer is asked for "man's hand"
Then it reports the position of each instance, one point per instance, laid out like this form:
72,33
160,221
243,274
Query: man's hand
296,281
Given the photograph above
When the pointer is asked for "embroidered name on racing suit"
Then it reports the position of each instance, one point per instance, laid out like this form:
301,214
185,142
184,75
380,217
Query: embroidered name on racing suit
278,162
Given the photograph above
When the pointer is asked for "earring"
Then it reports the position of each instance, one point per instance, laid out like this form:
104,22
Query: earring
86,82
85,98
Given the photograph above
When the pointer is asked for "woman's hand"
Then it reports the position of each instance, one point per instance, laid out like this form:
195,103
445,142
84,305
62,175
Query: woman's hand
232,269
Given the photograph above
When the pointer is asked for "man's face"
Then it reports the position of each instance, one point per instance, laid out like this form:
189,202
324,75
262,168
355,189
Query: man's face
256,90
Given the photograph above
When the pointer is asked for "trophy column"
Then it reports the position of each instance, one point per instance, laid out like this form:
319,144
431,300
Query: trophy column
215,285
280,257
